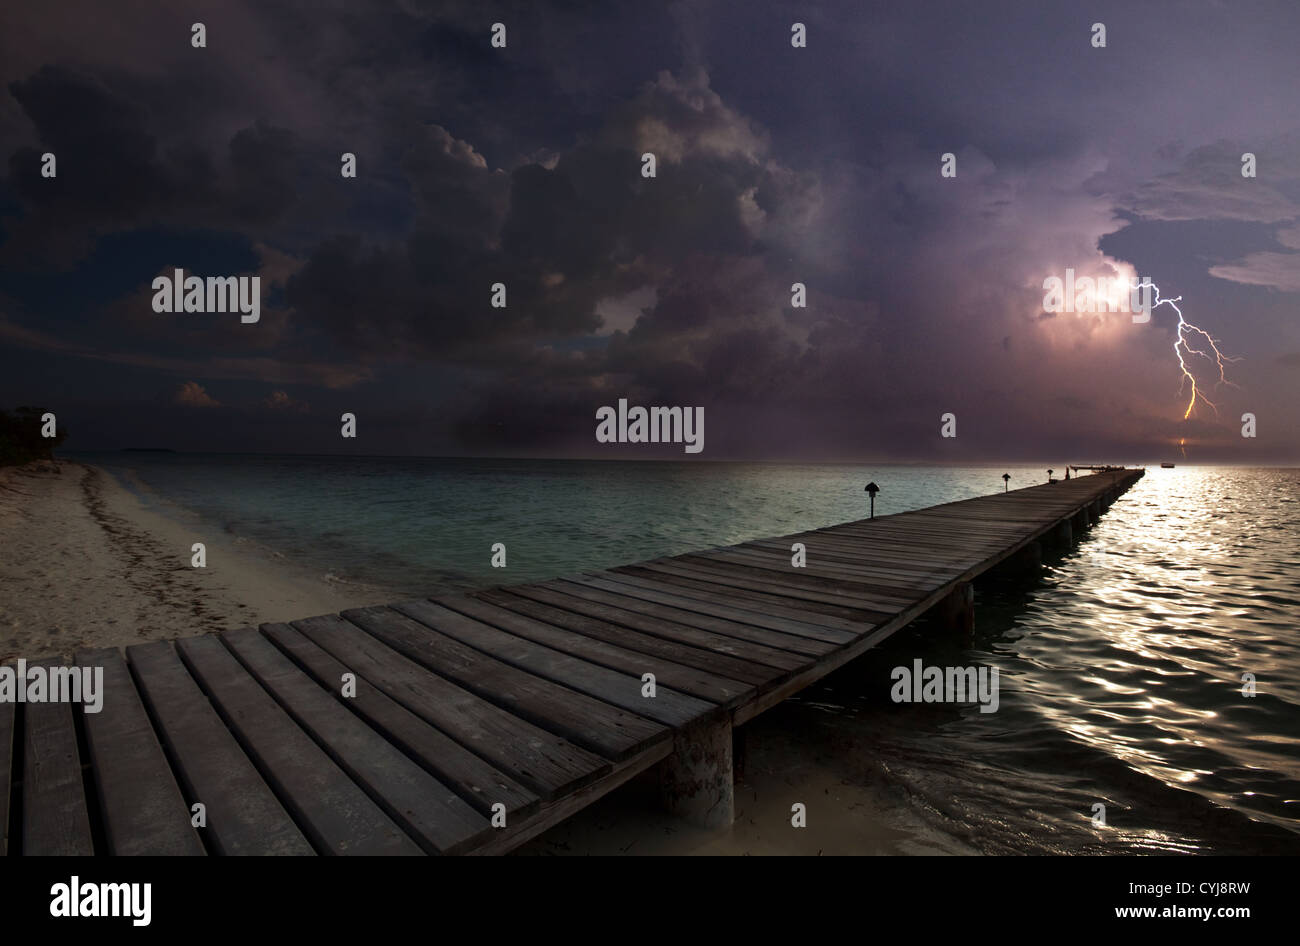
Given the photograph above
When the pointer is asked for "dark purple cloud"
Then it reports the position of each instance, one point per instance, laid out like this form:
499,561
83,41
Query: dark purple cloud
775,166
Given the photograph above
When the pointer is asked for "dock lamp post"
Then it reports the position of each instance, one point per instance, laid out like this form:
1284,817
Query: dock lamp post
872,489
1006,479
1049,475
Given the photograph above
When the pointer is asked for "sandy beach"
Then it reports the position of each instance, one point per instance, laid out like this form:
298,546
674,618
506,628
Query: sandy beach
85,563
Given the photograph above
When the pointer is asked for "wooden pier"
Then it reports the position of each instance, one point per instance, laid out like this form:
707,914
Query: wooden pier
473,722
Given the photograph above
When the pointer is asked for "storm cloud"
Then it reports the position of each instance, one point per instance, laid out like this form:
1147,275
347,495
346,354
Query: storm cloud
776,166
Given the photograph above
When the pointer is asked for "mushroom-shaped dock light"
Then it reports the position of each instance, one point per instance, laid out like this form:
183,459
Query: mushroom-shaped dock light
1049,475
872,489
1006,480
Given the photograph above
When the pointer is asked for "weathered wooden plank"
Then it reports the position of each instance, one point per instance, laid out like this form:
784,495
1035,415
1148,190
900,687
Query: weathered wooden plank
850,586
712,688
804,646
961,536
942,530
7,717
837,590
944,519
868,555
548,764
618,689
958,541
928,567
701,658
796,587
822,555
332,811
141,805
55,818
873,556
476,781
670,630
721,596
931,527
875,578
872,553
951,525
756,594
852,548
865,553
242,813
614,733
914,544
991,515
692,610
430,812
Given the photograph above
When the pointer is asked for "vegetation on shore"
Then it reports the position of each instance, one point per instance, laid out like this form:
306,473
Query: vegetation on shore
21,440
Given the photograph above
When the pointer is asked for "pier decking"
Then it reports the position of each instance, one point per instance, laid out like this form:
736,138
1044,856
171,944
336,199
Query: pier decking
479,720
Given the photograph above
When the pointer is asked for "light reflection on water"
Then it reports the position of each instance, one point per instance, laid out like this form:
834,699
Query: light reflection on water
1121,683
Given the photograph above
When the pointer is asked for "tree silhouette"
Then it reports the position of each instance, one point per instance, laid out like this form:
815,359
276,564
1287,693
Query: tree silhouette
20,437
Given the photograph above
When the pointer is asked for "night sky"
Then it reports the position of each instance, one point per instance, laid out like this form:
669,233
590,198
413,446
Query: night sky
776,165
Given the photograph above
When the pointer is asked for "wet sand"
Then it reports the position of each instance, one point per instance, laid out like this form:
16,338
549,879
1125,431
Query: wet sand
793,753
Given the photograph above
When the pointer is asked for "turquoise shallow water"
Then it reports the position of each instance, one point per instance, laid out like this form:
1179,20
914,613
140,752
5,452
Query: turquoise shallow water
424,525
1121,661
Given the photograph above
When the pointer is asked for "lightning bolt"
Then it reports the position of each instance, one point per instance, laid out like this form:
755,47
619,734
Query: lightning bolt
1187,332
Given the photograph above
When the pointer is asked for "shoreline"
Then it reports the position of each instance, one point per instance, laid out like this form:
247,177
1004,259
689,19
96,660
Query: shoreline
74,542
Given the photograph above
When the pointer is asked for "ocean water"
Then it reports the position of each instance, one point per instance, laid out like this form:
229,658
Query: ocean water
421,525
1121,661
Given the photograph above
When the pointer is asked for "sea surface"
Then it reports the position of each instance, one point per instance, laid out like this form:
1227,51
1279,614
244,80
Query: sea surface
1121,662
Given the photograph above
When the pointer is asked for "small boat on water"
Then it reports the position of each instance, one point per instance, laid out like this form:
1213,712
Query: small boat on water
1166,465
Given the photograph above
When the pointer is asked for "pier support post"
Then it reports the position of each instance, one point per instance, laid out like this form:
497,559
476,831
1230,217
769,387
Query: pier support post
957,611
1080,522
695,782
1094,511
1063,534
